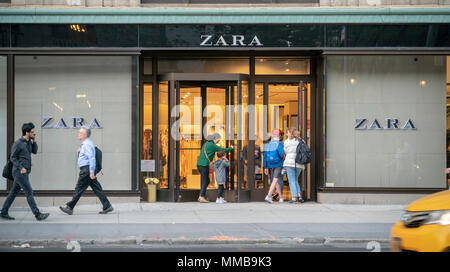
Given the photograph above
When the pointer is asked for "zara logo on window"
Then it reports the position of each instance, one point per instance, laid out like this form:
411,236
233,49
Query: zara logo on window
390,124
76,122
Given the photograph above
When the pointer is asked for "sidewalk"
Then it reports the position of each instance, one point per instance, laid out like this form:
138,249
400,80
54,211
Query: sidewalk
195,223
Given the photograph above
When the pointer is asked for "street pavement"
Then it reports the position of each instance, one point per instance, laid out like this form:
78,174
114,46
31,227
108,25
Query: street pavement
162,225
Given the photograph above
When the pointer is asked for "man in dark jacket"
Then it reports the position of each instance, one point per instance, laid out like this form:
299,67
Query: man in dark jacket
21,159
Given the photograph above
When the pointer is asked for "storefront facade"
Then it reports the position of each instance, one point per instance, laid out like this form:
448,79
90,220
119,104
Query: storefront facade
366,88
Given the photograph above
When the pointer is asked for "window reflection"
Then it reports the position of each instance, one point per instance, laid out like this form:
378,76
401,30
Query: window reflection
282,66
211,65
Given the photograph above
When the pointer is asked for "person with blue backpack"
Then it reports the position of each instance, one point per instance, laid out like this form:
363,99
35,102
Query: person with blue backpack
273,164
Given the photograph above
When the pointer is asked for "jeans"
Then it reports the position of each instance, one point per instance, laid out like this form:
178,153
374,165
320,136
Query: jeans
204,172
84,181
293,180
21,181
220,191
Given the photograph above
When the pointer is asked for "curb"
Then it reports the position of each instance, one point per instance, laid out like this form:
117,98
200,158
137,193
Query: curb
354,240
175,242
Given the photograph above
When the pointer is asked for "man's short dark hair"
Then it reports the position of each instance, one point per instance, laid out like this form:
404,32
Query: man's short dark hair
27,127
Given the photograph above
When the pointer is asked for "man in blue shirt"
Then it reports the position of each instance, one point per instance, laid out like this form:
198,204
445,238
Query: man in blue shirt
86,163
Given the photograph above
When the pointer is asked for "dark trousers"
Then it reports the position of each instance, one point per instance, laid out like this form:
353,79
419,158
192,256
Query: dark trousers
21,181
84,181
204,172
220,191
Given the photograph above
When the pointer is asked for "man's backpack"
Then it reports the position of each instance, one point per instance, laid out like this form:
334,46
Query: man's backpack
272,156
303,153
98,160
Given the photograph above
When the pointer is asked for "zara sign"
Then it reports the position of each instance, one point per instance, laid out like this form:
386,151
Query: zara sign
77,122
390,124
233,40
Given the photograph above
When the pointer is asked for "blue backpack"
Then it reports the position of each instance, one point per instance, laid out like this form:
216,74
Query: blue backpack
272,153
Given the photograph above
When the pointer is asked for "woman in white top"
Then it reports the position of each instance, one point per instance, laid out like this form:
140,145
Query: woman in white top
293,169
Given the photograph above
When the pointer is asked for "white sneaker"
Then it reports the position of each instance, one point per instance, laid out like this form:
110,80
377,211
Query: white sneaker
281,200
268,199
223,200
218,201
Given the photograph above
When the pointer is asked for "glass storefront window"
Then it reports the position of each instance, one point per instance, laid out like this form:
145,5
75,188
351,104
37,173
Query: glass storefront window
245,131
61,93
385,121
305,129
229,65
260,127
147,128
215,120
147,145
163,134
3,120
282,66
190,142
283,106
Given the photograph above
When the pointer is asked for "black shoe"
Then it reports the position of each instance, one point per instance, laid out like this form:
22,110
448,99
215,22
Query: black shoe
301,200
6,216
110,209
42,216
66,209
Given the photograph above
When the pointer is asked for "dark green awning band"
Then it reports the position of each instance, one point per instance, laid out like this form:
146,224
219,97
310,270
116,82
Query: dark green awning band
224,15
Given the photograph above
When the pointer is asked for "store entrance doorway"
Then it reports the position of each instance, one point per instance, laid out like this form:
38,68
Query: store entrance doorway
199,106
287,105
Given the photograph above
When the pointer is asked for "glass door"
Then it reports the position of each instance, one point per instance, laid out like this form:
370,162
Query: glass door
242,145
204,109
304,126
190,142
196,106
281,105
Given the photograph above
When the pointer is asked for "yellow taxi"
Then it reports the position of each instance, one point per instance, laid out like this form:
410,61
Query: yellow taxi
424,226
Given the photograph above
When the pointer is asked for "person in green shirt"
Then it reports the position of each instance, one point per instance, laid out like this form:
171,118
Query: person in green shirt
207,154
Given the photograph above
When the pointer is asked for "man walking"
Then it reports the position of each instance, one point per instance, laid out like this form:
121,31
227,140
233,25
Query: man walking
273,164
21,160
86,163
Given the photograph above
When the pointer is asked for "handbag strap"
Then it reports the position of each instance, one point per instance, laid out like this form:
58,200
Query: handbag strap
204,150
